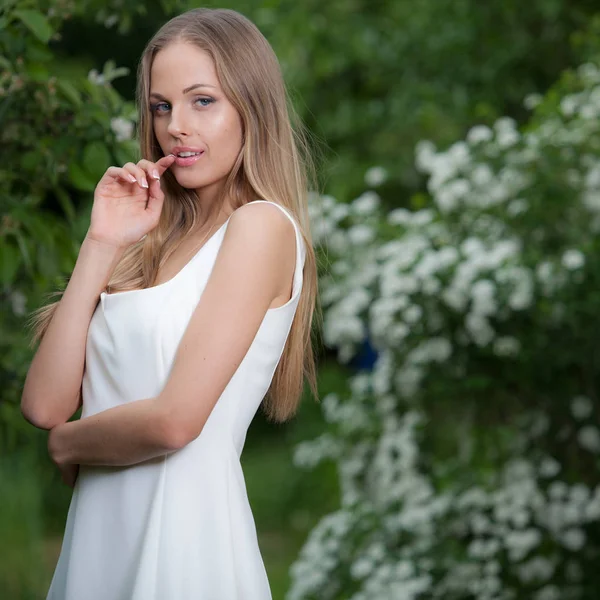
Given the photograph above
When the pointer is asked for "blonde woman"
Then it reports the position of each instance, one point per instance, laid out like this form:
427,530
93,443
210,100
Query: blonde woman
191,300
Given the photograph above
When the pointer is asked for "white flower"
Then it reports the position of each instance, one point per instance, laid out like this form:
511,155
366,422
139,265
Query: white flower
505,124
361,568
458,154
479,133
573,539
412,314
517,207
544,272
375,176
588,111
482,175
122,128
588,71
548,592
365,204
520,543
439,349
18,303
573,259
592,177
549,467
482,294
581,407
95,77
568,105
361,234
399,216
339,212
532,100
589,438
425,155
536,569
111,20
507,346
471,246
507,137
479,329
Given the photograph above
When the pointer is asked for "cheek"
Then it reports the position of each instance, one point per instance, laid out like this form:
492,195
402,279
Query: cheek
160,128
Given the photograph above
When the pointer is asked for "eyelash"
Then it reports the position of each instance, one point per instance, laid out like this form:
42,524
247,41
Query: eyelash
154,107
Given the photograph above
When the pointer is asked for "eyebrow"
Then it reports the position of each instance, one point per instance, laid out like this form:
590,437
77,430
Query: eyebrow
186,91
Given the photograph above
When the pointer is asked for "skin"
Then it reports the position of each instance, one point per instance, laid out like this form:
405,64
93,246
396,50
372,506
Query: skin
202,118
252,273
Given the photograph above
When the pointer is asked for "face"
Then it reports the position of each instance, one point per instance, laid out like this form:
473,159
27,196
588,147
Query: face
192,117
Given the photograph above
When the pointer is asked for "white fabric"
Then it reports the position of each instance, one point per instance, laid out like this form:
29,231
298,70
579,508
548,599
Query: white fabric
178,527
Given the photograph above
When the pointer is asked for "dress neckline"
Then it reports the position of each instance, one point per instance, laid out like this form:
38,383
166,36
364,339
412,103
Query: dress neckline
176,276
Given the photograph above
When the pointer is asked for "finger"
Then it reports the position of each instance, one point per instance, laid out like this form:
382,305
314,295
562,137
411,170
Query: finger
139,174
149,168
155,170
155,198
164,163
120,173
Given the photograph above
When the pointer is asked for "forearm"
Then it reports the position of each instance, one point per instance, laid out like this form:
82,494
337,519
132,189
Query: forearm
123,435
51,390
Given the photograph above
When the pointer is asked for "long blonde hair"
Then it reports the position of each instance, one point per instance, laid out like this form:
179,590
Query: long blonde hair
274,164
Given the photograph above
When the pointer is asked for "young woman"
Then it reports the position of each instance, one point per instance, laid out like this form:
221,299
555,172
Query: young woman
192,297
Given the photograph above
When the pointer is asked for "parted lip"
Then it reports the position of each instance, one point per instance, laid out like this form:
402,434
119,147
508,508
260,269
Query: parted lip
179,149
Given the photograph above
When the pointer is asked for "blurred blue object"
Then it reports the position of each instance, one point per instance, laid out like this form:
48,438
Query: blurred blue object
366,356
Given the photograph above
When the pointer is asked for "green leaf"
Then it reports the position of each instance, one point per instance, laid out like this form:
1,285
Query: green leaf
80,179
37,23
65,202
22,241
39,52
96,159
69,91
9,263
29,160
127,151
37,72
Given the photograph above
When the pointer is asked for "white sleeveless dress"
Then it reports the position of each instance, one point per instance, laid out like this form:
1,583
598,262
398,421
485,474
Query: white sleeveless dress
177,527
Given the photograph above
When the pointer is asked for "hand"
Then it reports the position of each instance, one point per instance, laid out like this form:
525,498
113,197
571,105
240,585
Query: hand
128,201
69,474
68,471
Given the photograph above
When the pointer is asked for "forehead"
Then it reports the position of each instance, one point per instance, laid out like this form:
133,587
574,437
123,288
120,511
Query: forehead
180,65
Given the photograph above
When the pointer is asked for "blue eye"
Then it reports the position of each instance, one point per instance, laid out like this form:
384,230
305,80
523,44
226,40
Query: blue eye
159,107
205,101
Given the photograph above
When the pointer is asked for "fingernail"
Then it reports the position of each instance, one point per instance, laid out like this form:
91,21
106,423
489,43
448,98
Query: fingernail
143,182
155,174
132,179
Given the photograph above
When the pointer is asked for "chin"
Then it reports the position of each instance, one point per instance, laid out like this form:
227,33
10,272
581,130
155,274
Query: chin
189,182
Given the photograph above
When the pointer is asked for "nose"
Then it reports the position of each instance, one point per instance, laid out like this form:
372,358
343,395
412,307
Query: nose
177,123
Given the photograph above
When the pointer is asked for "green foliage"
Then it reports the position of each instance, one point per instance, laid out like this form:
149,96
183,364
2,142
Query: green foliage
372,78
59,131
22,529
376,77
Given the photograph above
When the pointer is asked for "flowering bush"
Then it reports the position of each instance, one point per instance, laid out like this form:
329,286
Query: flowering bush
468,457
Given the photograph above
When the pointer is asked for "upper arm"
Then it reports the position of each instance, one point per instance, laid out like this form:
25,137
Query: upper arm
254,258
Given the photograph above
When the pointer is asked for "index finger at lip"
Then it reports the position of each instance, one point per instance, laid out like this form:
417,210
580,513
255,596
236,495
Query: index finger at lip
164,163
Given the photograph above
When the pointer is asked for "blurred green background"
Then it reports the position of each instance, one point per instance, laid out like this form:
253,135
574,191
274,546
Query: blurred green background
370,78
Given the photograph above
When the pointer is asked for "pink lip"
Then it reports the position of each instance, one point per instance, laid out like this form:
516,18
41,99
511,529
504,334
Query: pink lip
188,160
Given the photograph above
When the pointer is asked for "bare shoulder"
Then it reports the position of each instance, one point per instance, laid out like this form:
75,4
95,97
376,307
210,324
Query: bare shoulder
265,227
262,215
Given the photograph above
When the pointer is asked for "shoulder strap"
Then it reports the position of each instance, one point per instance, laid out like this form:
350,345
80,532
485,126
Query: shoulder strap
300,248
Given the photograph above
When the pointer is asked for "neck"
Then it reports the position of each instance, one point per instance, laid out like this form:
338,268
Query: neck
213,209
